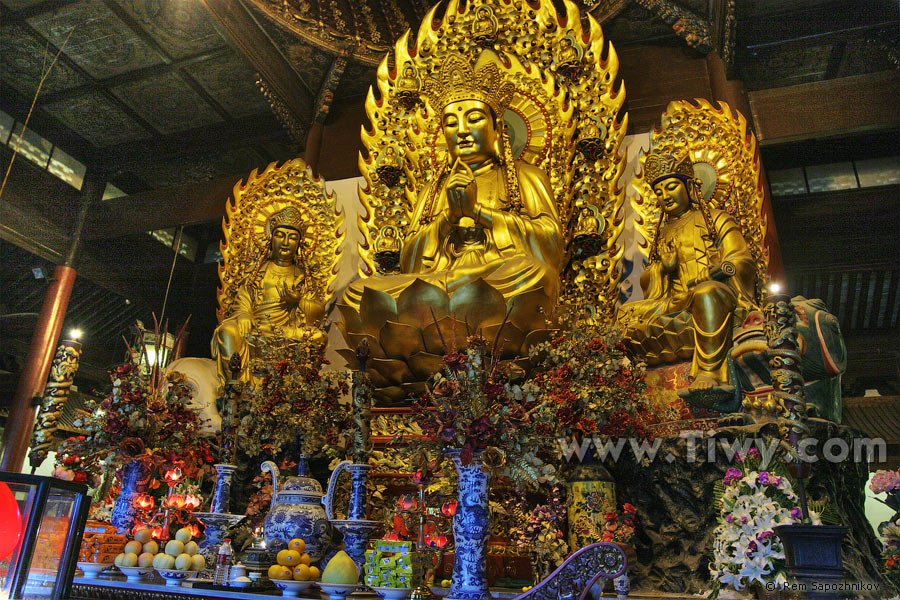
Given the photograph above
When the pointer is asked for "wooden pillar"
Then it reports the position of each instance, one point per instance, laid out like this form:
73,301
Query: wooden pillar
731,91
314,146
19,424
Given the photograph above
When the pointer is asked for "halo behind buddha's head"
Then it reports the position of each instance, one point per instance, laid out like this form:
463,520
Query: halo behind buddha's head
459,80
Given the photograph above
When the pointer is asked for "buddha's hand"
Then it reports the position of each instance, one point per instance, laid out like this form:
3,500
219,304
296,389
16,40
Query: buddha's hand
290,295
668,256
245,324
462,191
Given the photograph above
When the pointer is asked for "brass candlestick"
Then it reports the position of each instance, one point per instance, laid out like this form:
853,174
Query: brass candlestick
428,545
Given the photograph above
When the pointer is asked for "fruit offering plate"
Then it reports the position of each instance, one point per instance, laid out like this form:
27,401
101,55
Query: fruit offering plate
291,588
174,577
337,591
389,593
92,570
135,574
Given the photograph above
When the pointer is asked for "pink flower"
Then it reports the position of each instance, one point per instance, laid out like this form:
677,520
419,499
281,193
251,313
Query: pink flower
63,473
885,481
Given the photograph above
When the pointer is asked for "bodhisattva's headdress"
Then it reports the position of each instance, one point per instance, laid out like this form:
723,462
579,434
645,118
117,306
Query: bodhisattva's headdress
661,166
459,80
289,217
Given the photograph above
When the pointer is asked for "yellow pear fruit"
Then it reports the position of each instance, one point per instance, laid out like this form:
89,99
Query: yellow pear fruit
145,560
174,547
183,535
130,560
198,562
151,547
341,569
164,561
118,561
191,548
134,546
183,562
142,536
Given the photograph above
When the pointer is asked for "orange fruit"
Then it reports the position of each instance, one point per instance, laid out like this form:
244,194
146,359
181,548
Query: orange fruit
288,558
304,559
298,545
301,573
314,573
275,572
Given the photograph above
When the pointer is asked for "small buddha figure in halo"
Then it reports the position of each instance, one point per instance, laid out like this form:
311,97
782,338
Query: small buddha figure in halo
272,301
701,274
485,215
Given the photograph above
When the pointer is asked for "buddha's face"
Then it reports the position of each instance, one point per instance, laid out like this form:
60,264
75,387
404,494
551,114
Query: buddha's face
673,196
285,242
469,131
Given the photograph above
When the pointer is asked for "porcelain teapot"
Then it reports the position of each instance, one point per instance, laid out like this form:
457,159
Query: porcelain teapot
296,511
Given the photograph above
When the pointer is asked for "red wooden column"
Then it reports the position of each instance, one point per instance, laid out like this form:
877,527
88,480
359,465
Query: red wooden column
19,425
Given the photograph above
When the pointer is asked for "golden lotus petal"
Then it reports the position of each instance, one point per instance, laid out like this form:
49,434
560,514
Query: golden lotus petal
400,340
453,332
422,303
530,311
395,371
478,303
425,364
350,356
377,379
351,320
375,309
509,344
391,396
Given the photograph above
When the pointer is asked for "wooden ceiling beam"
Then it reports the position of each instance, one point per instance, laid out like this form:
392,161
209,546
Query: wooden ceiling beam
216,138
160,209
290,96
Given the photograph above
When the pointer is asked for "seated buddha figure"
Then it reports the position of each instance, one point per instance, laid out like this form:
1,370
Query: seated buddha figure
700,275
272,300
485,216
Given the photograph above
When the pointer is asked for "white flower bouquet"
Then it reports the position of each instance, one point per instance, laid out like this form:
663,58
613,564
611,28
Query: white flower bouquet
746,550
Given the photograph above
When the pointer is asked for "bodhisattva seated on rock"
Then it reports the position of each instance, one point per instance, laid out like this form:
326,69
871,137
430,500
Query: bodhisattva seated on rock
701,274
272,302
485,216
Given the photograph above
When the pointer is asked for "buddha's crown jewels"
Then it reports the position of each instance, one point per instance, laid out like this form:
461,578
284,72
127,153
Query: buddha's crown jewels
289,217
657,166
459,80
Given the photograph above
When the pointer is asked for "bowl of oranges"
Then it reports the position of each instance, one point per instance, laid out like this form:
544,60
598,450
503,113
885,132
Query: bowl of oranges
292,572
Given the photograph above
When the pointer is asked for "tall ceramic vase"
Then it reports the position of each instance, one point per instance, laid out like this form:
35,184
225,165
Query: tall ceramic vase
135,481
471,528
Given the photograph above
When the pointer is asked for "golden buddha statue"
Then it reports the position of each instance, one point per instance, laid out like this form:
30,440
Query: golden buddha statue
484,204
700,275
485,216
281,243
274,301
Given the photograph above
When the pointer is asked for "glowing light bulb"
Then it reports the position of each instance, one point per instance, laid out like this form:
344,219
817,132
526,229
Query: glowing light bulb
774,287
75,333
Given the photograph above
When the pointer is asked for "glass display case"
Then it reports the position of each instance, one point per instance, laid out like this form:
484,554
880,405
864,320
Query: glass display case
41,523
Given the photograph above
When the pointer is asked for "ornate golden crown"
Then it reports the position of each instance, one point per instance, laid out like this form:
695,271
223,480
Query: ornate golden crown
458,80
289,217
657,166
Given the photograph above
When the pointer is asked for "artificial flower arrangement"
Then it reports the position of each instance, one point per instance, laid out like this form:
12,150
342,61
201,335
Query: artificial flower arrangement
595,387
746,551
474,406
888,482
290,397
541,535
619,525
146,417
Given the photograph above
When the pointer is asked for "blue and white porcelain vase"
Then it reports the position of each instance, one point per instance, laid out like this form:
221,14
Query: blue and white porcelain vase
471,529
136,477
296,511
222,493
217,525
